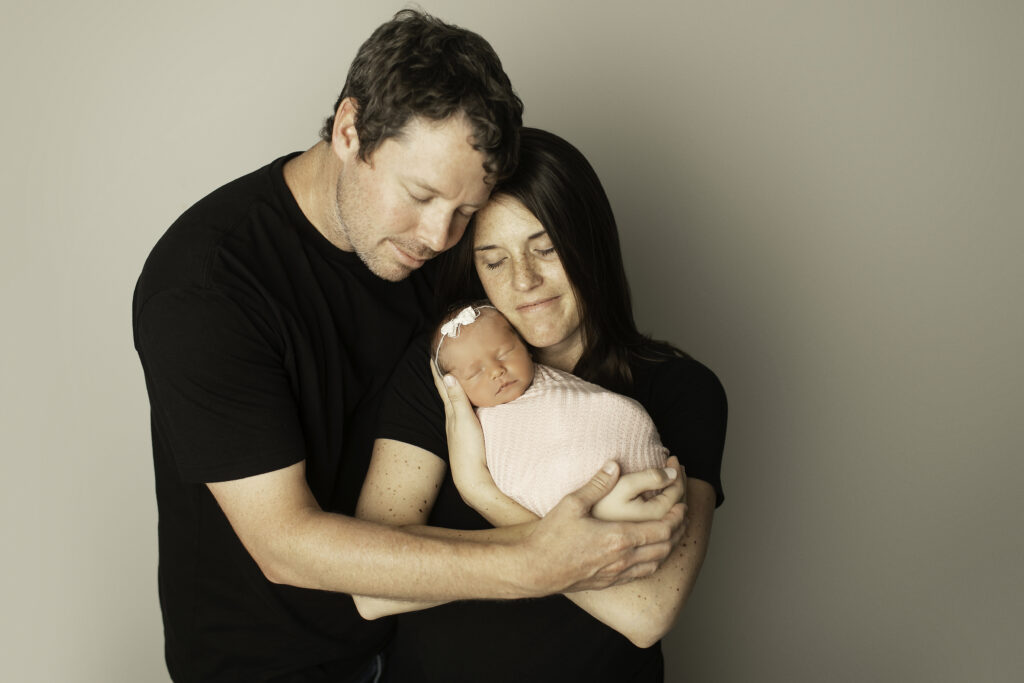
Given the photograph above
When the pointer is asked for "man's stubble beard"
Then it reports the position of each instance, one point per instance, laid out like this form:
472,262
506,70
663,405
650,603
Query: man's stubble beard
370,254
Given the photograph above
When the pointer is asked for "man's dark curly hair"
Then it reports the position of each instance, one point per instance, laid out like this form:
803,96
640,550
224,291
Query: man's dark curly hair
418,66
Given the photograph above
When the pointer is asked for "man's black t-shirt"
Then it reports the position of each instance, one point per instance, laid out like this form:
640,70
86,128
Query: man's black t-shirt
550,639
263,345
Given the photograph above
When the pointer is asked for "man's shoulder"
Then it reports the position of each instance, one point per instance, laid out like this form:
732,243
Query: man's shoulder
183,255
221,210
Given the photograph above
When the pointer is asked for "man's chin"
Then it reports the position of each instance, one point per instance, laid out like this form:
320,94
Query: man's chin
386,269
395,275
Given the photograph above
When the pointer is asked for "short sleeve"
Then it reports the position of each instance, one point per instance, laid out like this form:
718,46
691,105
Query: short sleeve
412,411
688,405
220,396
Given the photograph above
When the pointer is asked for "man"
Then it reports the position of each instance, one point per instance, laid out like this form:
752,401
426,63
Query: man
268,319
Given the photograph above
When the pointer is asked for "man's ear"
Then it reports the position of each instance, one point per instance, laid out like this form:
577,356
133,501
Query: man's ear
344,139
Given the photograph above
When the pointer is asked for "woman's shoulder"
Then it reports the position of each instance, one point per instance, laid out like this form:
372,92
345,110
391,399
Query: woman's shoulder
687,402
661,377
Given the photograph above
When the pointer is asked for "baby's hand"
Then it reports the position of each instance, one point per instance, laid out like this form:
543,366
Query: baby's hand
644,496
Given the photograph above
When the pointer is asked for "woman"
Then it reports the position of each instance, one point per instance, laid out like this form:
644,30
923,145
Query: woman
545,251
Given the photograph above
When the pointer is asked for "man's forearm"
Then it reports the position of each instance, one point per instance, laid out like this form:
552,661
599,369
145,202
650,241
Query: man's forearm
343,554
278,520
505,534
294,542
373,607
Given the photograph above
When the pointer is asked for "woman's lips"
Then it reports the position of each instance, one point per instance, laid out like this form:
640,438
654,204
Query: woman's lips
535,305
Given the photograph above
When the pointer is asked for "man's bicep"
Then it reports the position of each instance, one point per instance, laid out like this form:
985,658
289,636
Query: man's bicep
265,509
221,398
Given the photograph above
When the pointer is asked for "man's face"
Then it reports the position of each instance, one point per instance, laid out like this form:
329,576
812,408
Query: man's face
412,199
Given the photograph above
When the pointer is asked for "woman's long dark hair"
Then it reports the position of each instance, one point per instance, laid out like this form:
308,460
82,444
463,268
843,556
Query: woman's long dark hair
560,188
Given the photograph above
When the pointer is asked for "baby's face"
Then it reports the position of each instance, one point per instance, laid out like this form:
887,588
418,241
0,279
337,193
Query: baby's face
489,360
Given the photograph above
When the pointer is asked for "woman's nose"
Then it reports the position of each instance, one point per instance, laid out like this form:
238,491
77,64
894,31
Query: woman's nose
524,276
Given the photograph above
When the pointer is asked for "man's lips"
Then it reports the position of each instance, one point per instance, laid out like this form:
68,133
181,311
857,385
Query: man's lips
412,257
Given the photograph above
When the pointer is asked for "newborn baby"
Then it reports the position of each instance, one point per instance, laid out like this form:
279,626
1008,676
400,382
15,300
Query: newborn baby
546,432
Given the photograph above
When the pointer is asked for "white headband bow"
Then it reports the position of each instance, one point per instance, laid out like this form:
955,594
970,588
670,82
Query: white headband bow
464,317
451,328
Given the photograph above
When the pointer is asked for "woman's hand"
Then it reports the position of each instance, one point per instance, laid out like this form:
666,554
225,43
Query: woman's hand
467,457
465,437
644,496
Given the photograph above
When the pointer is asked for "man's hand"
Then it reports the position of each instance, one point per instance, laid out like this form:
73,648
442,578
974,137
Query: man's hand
570,551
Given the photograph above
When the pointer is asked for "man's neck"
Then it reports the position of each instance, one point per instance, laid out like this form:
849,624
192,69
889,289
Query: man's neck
312,178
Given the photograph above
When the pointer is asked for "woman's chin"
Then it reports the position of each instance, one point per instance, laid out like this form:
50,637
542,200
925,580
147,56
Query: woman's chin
556,348
541,339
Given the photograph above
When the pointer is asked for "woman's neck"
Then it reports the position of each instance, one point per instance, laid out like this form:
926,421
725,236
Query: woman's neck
563,355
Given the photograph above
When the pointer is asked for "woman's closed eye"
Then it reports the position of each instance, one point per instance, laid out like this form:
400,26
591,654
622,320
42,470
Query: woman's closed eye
544,253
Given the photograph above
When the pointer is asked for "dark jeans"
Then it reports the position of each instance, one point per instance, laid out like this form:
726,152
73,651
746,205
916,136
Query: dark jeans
371,674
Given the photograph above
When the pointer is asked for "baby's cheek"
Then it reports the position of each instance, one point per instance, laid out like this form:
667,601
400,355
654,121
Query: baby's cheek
473,393
520,390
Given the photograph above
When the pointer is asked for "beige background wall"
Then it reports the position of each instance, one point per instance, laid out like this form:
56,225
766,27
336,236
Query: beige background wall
822,201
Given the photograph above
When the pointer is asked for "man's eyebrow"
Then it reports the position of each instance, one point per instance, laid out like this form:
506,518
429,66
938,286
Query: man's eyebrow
424,185
485,247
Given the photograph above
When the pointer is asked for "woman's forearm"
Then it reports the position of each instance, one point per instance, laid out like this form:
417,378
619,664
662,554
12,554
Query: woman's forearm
478,491
644,610
374,608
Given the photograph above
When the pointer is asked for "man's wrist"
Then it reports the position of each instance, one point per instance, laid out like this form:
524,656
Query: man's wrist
523,571
526,575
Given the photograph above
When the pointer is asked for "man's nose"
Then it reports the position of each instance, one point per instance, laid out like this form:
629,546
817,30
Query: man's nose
441,228
436,228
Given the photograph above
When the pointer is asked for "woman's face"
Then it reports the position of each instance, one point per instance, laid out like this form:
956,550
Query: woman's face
524,279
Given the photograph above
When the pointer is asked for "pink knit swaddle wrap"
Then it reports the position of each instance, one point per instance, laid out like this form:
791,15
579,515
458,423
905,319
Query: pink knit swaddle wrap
551,440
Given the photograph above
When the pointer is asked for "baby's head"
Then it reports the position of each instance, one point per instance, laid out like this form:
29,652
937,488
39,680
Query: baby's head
478,346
